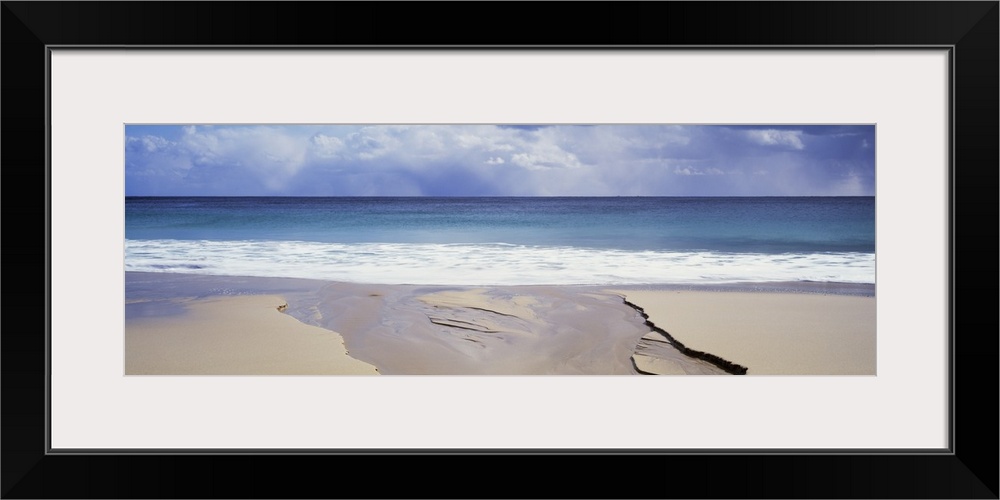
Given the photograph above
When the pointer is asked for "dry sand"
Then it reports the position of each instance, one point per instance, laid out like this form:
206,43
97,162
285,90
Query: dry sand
770,333
234,335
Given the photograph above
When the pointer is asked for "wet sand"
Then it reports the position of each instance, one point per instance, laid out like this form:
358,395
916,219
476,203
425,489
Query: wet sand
530,330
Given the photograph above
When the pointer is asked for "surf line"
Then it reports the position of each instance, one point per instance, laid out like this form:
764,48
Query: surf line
726,365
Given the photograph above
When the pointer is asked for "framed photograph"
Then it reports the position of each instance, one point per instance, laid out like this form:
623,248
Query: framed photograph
864,132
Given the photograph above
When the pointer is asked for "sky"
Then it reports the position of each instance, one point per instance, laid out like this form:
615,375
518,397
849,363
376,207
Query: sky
499,160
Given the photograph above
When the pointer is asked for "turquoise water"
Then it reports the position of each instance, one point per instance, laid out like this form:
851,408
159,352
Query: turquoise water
617,240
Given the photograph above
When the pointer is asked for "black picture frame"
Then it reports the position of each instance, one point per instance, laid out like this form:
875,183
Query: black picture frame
970,29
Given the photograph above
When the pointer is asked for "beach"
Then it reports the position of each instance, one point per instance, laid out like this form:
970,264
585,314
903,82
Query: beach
770,333
201,326
191,324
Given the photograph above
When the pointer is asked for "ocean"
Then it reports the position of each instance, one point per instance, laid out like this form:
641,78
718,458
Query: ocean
507,240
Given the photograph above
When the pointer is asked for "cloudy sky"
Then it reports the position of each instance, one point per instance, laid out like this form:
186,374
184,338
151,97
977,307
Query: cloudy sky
505,160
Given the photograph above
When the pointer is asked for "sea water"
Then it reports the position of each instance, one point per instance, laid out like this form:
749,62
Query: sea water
507,240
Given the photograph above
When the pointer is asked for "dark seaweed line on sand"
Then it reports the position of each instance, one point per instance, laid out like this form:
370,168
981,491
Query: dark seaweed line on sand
726,365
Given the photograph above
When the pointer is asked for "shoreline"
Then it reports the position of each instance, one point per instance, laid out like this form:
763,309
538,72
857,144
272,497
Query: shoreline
508,330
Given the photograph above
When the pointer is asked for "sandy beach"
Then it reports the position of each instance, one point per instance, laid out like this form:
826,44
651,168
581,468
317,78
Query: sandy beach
769,333
234,335
197,325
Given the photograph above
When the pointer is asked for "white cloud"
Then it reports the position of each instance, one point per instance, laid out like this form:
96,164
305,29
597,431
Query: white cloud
545,160
148,143
494,161
546,152
770,137
696,171
326,146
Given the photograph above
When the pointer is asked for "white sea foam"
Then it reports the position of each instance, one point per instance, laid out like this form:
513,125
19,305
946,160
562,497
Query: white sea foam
490,264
